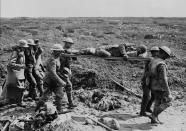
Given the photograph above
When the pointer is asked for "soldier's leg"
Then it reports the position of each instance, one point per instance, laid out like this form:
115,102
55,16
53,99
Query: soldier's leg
148,108
145,100
154,116
68,89
59,99
19,92
32,83
162,105
39,79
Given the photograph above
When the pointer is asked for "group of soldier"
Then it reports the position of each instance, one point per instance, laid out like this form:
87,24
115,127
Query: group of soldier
26,64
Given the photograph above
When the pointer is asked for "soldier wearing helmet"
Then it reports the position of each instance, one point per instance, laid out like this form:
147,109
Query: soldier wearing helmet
15,82
159,83
30,64
154,51
38,70
65,71
148,97
52,80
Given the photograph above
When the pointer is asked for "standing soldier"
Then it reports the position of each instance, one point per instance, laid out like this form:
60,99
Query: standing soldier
52,80
65,71
159,83
38,71
30,64
15,83
148,97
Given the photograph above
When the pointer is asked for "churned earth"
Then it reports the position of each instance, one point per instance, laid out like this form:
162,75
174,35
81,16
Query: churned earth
92,75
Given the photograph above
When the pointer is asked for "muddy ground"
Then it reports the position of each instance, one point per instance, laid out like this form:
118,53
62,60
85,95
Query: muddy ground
92,74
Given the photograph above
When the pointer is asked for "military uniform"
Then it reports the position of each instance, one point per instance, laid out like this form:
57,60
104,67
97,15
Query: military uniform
147,98
159,85
37,71
53,83
15,82
122,50
34,72
30,64
65,74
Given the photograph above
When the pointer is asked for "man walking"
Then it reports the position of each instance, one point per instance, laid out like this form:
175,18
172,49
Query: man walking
65,71
38,71
52,81
30,64
159,83
148,97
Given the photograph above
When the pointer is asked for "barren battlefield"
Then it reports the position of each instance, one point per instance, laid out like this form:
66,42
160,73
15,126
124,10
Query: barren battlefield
98,83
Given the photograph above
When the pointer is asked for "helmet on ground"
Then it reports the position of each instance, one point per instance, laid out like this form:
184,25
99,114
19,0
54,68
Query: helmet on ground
155,48
22,43
57,47
68,40
166,50
31,42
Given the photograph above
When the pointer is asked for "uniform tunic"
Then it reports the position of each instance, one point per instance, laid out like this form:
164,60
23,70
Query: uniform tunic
53,83
159,85
15,82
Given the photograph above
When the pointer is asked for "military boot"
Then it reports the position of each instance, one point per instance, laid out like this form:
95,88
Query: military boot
71,105
40,88
34,95
60,105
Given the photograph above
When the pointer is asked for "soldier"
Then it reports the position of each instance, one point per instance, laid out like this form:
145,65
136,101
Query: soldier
148,97
65,71
30,64
159,83
15,83
52,80
123,50
38,68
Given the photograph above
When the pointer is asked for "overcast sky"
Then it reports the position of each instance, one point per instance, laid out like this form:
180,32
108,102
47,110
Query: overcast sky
93,8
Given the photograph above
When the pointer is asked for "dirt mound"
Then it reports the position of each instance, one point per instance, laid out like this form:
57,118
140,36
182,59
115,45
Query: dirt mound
84,78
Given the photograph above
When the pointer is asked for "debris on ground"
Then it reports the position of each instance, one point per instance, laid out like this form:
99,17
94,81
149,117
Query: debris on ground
98,99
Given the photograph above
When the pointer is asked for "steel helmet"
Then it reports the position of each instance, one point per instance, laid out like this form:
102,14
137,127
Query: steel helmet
22,43
155,48
166,50
68,40
143,48
31,42
57,47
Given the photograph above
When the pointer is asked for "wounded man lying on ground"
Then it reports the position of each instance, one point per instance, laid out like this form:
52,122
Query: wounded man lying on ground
123,50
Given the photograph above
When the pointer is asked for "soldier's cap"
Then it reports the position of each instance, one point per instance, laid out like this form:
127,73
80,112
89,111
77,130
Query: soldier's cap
57,47
22,43
31,42
166,50
68,40
129,44
142,47
155,48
